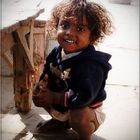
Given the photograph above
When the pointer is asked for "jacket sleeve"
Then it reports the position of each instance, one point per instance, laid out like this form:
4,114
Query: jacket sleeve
87,81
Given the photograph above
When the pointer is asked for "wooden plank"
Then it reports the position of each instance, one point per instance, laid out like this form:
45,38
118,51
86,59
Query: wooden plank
21,33
11,28
39,31
40,23
7,42
22,82
9,58
31,40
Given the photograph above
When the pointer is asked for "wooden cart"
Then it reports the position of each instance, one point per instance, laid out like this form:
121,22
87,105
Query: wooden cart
23,49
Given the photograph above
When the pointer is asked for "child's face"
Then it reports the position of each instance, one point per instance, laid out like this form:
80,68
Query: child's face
73,35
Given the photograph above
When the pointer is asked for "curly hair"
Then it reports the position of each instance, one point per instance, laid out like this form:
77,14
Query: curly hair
97,16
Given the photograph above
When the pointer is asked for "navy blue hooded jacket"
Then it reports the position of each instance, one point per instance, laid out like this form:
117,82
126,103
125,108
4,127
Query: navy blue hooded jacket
84,75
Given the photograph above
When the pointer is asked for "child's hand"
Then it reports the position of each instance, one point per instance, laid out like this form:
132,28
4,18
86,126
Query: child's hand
41,86
43,83
42,96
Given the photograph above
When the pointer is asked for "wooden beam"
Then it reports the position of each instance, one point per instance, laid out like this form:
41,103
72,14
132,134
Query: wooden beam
7,42
25,47
31,40
24,22
22,82
8,58
39,31
10,28
40,23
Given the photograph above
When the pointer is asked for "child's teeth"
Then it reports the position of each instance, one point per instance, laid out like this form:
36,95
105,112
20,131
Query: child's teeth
70,41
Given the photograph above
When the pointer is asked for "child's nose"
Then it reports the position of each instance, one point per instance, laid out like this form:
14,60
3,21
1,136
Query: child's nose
71,31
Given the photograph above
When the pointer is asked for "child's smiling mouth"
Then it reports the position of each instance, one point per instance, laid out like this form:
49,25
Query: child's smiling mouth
69,41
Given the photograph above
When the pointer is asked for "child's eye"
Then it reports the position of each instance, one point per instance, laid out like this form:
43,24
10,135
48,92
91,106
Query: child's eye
81,28
65,25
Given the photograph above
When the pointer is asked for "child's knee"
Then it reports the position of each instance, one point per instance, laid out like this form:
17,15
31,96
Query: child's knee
78,121
83,120
79,118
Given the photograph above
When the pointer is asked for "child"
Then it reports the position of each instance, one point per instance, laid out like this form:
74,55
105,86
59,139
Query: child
71,87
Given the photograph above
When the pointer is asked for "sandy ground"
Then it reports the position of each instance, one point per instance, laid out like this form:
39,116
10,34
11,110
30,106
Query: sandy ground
122,119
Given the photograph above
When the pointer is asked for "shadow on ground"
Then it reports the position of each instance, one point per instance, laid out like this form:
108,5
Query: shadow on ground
31,119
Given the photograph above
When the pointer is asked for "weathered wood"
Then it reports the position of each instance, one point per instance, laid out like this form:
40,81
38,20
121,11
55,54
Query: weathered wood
27,42
40,23
8,58
39,44
23,67
31,41
21,35
22,80
11,28
7,42
19,38
24,22
39,54
39,30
